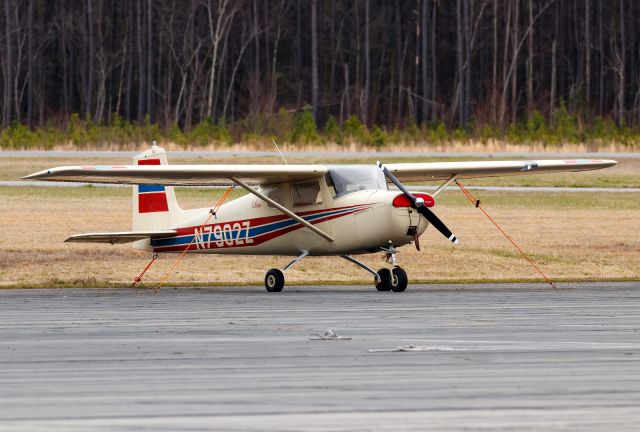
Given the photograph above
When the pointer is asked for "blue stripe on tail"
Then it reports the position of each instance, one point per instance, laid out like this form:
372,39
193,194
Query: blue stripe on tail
143,188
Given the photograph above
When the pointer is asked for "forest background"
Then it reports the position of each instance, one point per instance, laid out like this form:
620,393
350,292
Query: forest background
196,73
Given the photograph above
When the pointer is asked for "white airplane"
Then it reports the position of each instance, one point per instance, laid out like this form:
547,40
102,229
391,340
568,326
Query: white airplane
291,210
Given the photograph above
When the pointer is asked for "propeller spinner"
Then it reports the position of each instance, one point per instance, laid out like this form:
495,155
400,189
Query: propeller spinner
418,204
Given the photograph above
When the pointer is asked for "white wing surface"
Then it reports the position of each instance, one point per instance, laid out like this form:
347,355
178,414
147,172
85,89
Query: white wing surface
414,172
180,175
119,237
207,175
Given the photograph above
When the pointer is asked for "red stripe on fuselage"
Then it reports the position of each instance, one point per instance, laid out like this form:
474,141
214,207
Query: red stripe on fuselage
256,222
263,237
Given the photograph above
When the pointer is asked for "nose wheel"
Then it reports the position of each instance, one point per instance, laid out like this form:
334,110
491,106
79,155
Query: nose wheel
392,280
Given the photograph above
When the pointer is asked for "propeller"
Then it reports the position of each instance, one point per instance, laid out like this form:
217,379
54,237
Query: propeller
418,204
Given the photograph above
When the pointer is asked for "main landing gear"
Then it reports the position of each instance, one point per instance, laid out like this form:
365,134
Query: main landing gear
274,279
394,279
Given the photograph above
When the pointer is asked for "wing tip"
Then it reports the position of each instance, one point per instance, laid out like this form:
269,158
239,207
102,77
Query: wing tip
40,175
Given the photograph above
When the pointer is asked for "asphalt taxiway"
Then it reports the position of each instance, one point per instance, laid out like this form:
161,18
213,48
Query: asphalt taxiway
437,357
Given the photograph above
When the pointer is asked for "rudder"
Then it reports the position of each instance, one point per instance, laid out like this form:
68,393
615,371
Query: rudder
154,206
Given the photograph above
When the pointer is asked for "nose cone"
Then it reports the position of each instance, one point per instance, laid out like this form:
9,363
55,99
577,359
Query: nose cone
401,200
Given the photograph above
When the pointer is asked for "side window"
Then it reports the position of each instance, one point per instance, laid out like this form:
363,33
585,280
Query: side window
277,194
306,194
332,187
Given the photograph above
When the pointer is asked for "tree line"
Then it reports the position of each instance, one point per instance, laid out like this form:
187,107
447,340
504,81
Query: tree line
463,64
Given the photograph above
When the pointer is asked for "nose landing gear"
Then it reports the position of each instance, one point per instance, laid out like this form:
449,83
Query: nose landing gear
395,279
385,278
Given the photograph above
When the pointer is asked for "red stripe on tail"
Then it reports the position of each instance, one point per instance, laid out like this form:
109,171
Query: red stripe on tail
152,202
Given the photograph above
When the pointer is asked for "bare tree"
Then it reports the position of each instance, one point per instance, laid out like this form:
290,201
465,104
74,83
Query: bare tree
149,66
30,61
181,62
621,53
424,59
494,68
530,62
367,63
217,30
314,59
587,49
142,75
8,87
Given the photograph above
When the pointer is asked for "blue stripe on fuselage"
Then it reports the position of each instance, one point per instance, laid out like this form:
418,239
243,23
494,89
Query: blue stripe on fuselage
253,232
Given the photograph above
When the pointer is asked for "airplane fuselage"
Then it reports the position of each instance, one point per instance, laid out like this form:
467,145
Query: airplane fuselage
359,222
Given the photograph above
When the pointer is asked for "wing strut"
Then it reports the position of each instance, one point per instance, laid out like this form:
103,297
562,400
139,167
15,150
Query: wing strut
444,185
283,209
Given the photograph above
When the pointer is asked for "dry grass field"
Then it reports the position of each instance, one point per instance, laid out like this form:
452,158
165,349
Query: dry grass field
572,236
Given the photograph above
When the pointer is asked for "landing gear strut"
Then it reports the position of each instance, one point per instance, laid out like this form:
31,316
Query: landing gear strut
394,279
274,279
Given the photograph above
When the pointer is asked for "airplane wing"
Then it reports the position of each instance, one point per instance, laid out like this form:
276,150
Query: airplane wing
208,175
119,237
413,172
181,175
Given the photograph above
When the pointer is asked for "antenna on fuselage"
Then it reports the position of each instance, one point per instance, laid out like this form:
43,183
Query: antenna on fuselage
278,148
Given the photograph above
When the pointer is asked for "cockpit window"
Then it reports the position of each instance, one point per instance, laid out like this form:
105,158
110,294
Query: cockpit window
351,178
306,193
276,193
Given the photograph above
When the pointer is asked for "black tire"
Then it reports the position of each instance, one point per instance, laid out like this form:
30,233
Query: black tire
398,280
274,280
385,276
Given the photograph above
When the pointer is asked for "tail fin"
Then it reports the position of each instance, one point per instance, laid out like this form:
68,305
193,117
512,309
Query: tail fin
154,206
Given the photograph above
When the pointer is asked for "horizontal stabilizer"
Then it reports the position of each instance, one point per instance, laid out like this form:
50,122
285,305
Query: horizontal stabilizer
119,237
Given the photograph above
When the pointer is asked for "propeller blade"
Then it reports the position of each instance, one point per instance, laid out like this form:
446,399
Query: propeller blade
396,182
437,223
418,204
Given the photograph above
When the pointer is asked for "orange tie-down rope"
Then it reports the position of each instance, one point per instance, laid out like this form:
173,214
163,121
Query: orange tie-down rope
212,213
138,278
476,203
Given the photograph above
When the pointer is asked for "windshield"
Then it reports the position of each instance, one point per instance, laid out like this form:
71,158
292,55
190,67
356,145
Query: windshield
352,178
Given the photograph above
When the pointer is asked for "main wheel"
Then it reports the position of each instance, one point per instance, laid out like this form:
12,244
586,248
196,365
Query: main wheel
385,276
274,280
398,280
